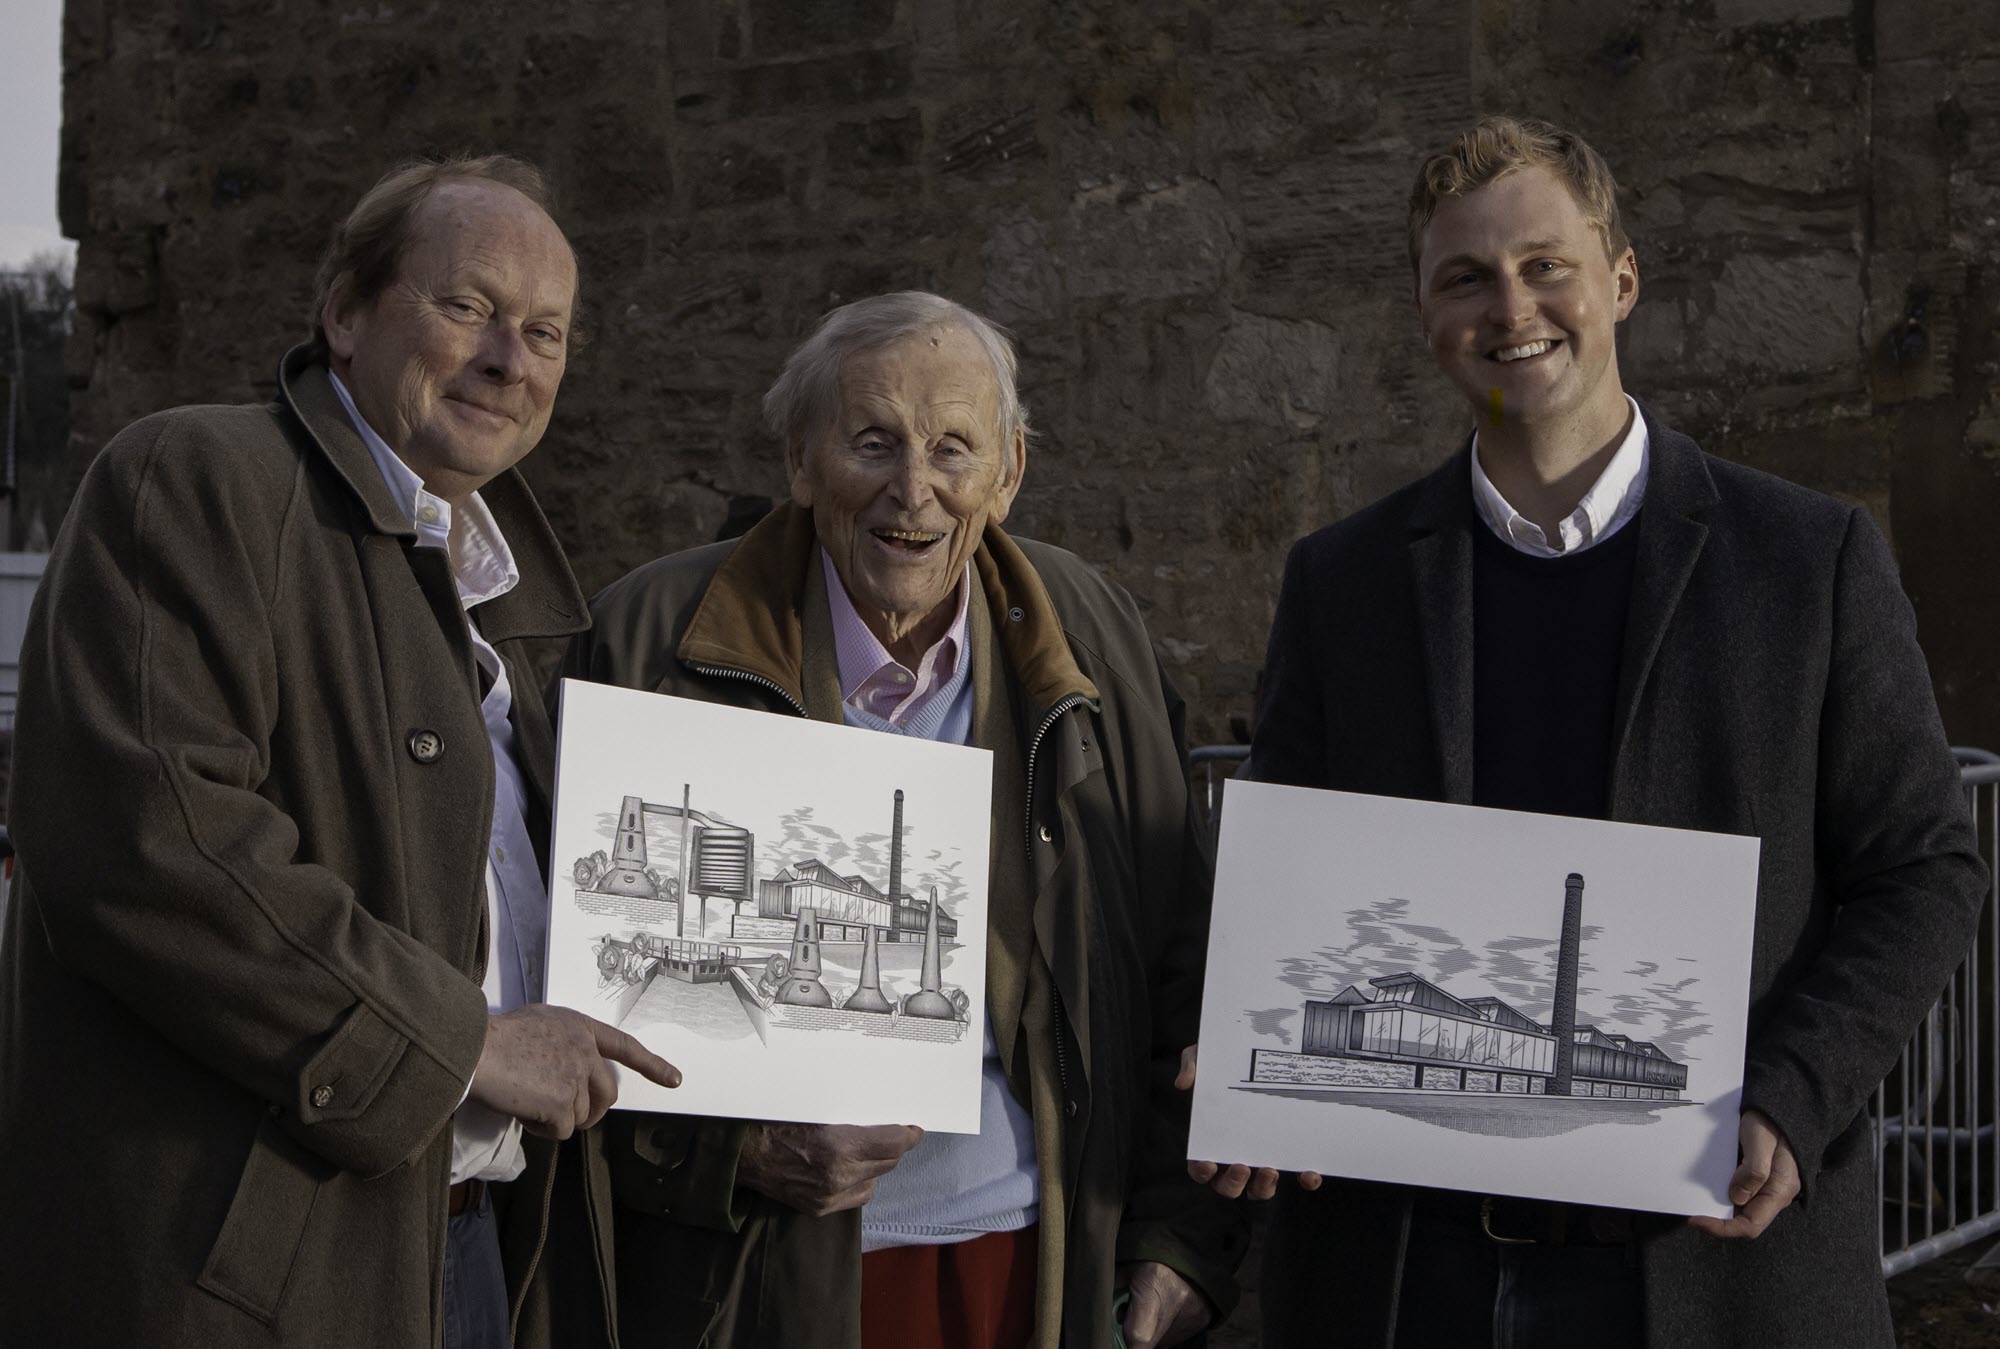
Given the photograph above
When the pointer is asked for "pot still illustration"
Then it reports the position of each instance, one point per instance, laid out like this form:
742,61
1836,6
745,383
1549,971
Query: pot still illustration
821,951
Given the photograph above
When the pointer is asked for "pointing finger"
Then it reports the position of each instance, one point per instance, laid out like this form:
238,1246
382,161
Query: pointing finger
616,1045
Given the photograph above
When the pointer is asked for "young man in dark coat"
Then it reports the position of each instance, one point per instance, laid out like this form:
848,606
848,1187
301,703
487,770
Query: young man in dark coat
281,770
1581,613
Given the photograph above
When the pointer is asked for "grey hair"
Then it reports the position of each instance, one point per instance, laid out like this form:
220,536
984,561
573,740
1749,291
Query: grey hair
806,395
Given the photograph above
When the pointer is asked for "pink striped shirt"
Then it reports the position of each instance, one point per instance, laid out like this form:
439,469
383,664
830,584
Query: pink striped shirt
875,682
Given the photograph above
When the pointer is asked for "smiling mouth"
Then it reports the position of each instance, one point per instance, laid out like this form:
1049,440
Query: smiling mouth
1527,351
909,540
480,408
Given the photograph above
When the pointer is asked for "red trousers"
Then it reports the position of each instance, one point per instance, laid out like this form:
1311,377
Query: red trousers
977,1294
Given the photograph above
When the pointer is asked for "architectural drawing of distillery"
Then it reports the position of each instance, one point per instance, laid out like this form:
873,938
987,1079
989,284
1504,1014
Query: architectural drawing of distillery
1409,1034
777,961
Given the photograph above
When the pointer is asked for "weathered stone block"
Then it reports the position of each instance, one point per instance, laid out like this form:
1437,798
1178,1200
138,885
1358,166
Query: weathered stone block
1022,280
797,86
1795,313
884,143
1333,222
734,175
1169,241
1737,13
786,27
1274,371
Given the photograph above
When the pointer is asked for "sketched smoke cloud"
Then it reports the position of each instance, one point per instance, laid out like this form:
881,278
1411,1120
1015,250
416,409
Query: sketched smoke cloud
1384,939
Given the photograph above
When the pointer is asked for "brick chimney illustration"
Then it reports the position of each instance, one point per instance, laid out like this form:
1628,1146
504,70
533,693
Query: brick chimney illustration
896,850
1562,1021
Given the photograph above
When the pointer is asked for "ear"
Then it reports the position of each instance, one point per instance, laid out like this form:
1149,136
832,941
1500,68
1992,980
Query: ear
795,470
1013,468
1625,276
337,318
1417,304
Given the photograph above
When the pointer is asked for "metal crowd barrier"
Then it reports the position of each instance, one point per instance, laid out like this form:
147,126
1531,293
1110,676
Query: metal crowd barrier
1937,1153
1209,765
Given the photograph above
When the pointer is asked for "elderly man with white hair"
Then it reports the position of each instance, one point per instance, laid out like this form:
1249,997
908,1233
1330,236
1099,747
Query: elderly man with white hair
886,595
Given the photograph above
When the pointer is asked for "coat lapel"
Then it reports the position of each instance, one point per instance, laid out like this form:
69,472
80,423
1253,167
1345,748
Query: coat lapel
1671,537
1441,567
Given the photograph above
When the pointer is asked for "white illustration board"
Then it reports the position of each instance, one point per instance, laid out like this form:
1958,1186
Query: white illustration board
828,964
1386,999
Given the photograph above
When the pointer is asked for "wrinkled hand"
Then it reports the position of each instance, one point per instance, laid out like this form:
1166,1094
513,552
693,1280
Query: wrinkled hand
821,1168
1766,1180
1234,1180
550,1068
1165,1308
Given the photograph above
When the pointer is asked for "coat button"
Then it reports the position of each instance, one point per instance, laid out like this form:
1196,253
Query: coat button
322,1097
1069,1108
1045,834
426,746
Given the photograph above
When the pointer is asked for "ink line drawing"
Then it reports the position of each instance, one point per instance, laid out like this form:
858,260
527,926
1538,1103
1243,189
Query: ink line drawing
806,906
792,912
1513,1076
1457,997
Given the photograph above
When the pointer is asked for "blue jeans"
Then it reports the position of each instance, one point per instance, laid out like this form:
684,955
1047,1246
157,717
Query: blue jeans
475,1286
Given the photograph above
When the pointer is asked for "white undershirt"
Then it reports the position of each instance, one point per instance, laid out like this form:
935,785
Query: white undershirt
484,1145
1606,508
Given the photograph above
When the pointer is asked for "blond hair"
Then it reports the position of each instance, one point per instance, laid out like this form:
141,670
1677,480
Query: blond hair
1499,145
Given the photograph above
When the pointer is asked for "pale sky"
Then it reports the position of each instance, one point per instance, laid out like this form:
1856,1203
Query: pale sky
30,124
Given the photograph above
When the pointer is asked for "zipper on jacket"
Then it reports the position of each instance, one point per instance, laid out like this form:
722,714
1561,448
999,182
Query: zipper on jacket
1062,1059
725,672
1028,838
541,1240
1034,747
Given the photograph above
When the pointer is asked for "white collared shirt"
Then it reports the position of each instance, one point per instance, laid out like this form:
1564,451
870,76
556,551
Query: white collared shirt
484,1145
1606,508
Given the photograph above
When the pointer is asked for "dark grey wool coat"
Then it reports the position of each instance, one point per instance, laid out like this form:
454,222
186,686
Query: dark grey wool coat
239,993
1771,684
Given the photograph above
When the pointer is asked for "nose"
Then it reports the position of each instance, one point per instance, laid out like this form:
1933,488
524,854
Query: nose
911,485
503,356
1511,304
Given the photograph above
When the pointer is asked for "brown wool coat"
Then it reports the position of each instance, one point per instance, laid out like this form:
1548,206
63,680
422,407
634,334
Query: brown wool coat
240,971
1107,873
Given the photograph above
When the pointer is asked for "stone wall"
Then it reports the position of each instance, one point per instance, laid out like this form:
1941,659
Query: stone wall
1189,212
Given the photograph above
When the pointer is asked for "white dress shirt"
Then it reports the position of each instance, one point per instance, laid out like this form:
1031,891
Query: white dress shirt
1606,508
484,1145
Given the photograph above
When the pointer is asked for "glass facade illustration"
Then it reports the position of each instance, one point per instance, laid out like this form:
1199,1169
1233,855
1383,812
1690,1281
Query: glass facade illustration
1480,1044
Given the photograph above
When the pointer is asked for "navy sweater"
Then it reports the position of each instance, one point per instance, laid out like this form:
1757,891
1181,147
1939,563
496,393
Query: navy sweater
1547,633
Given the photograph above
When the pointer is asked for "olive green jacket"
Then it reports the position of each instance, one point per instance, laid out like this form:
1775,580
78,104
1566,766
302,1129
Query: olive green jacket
1101,842
239,984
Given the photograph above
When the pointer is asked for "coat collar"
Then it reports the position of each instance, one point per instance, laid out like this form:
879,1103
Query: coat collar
1672,534
1441,528
546,603
1679,490
751,616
